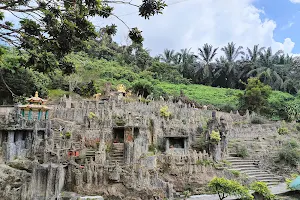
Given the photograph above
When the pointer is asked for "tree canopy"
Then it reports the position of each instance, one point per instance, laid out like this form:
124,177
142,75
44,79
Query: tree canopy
50,29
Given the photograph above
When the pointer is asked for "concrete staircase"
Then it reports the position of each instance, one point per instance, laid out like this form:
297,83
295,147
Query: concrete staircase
251,169
117,154
90,154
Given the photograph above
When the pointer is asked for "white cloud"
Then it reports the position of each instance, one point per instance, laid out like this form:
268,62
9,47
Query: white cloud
193,23
287,26
295,1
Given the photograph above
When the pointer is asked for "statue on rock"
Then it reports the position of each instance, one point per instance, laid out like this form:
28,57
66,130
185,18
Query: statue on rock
217,137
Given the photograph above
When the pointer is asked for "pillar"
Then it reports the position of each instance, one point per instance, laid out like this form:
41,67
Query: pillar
46,114
39,115
30,114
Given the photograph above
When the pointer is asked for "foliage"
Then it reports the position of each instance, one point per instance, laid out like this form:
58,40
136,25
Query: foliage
224,188
289,154
204,162
257,119
283,130
142,87
68,135
164,112
235,173
152,148
55,28
262,189
256,96
92,115
215,137
241,151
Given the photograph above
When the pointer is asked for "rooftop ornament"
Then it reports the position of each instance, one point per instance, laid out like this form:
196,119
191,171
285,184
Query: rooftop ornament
35,104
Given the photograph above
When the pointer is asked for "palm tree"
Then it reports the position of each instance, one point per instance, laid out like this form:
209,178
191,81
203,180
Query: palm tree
186,61
227,71
205,73
266,70
249,63
231,52
168,56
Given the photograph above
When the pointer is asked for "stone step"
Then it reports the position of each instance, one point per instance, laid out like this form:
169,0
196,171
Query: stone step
243,163
244,166
117,154
245,169
257,173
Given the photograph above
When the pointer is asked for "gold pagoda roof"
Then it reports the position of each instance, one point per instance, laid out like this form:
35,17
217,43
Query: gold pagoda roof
36,99
34,107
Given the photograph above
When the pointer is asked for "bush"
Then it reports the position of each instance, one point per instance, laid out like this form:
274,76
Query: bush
241,151
256,96
224,188
235,173
283,131
290,154
256,119
164,112
262,189
215,137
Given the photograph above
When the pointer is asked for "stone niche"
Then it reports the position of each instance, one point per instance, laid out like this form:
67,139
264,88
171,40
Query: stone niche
176,144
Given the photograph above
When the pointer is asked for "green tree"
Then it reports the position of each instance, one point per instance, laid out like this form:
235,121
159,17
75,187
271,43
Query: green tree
224,188
48,30
205,73
168,56
227,68
268,67
255,96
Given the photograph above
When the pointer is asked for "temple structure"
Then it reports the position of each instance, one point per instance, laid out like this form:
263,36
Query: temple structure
88,146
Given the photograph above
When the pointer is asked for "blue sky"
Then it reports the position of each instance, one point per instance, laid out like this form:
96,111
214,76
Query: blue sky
287,17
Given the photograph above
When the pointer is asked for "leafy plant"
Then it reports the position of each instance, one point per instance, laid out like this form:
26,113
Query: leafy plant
262,189
256,96
283,131
92,115
68,135
224,188
290,154
215,137
235,173
241,151
164,112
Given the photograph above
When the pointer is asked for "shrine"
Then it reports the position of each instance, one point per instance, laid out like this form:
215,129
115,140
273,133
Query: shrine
35,109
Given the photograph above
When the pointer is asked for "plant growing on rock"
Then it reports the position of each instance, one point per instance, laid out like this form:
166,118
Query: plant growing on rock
224,188
164,112
261,189
215,137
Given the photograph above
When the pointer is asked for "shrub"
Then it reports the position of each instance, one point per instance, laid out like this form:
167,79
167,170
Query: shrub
262,189
256,96
256,119
164,111
224,188
235,173
283,131
92,115
152,148
215,137
68,135
290,154
241,151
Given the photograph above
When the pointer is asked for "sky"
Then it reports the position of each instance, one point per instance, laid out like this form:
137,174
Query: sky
192,23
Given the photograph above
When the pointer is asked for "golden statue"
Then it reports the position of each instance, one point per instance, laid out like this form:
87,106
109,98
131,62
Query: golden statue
121,88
